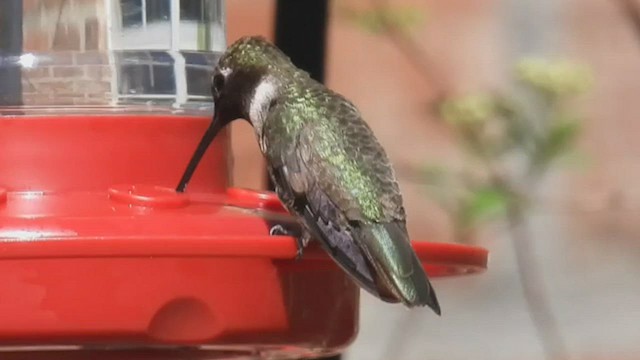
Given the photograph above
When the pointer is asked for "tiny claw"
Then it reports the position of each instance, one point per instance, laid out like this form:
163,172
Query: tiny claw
301,240
300,250
278,230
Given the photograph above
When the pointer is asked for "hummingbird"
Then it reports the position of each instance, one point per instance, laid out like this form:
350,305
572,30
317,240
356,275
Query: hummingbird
328,168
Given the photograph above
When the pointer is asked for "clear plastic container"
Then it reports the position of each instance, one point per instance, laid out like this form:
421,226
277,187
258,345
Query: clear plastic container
151,55
118,88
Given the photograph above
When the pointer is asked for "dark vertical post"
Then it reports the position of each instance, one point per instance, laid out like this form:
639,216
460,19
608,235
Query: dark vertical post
301,33
10,50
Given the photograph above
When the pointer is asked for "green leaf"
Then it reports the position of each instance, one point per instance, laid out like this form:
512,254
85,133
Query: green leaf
556,77
559,139
468,110
483,204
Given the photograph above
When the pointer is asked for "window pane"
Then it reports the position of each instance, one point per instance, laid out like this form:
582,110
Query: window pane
145,73
190,9
131,11
158,10
199,81
163,80
161,57
134,79
199,68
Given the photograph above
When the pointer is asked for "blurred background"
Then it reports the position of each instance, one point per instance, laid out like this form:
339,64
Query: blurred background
427,75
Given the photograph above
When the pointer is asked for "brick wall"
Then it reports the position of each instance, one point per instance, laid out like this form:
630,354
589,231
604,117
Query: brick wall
68,37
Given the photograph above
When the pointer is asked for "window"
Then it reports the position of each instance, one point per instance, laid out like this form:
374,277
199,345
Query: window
156,45
139,13
146,73
191,9
131,12
199,73
158,10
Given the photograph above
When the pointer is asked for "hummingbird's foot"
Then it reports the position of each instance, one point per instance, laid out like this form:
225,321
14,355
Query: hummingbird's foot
301,240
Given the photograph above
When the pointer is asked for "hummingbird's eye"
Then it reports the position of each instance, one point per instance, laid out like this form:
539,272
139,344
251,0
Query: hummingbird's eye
218,83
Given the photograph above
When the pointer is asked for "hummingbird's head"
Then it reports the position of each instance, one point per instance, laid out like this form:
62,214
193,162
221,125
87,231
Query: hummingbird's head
248,80
246,83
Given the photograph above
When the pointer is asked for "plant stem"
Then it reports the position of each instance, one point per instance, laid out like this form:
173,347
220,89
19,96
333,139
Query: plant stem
533,286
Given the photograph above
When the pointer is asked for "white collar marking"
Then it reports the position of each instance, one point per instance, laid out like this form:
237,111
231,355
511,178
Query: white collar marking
264,93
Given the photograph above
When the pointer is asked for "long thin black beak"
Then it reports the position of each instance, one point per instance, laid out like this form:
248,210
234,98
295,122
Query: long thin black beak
207,138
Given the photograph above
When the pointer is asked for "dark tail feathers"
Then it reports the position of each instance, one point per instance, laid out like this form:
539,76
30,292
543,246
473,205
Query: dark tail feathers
389,250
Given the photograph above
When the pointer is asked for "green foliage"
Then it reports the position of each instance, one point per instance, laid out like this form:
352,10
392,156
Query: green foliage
556,142
468,110
558,78
481,205
497,128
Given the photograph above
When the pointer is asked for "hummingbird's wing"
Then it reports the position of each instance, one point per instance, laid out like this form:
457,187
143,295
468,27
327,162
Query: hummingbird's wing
321,217
347,194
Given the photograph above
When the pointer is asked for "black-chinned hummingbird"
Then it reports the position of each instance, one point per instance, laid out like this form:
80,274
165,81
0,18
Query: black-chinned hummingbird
328,168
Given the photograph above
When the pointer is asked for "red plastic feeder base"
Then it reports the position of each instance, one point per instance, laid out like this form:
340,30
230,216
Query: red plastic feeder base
146,266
